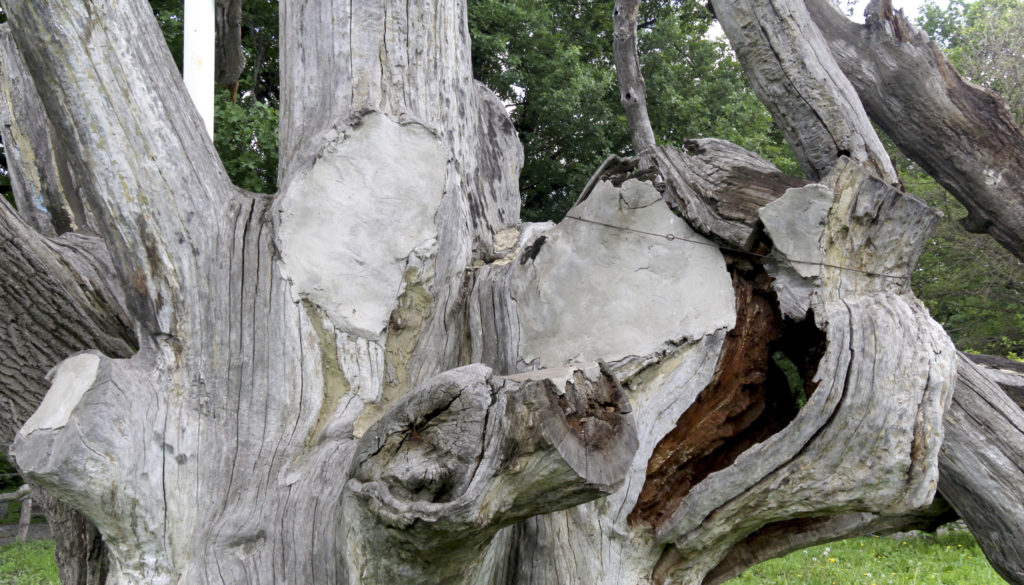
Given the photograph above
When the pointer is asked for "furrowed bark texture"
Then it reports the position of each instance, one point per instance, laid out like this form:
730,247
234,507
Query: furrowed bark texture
793,72
57,297
40,177
982,465
962,134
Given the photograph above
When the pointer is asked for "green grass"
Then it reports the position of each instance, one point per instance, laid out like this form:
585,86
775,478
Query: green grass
948,559
28,564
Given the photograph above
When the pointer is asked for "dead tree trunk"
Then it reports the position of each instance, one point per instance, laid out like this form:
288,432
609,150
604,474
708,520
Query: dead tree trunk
380,375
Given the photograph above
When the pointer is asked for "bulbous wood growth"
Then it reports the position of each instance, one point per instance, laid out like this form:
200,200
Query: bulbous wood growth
380,374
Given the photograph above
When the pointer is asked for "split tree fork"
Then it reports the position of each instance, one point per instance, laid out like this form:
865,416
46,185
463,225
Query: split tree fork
379,374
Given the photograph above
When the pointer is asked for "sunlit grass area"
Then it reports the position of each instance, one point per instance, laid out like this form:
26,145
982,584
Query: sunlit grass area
952,558
28,564
947,559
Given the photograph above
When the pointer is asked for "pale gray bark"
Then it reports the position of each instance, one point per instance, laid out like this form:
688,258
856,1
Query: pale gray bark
40,178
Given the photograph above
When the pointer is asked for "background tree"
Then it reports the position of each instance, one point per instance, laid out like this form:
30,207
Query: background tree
551,62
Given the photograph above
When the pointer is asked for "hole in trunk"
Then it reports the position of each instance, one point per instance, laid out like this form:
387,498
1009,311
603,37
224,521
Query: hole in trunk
761,381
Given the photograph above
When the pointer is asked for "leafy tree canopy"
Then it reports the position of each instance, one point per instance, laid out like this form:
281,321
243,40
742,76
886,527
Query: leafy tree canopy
552,63
984,40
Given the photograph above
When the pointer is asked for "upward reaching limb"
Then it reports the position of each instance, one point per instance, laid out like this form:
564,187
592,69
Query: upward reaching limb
151,208
793,73
962,134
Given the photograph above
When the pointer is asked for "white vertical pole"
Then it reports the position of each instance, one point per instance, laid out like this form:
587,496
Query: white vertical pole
200,46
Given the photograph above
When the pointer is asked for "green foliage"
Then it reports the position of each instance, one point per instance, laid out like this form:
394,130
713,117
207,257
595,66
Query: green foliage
983,40
921,560
9,481
31,563
552,62
245,135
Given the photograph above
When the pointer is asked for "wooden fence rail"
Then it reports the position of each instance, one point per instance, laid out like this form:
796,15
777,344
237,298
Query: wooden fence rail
24,495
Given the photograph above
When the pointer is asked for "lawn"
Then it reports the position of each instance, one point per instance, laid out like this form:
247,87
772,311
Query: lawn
28,564
948,559
951,558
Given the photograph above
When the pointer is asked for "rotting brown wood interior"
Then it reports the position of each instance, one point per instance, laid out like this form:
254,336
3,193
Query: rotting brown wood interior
749,399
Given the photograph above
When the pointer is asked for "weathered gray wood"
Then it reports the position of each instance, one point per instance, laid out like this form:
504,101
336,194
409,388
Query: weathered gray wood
152,179
982,467
719,187
428,490
73,302
796,471
17,495
24,519
379,375
40,177
1009,374
792,71
632,89
962,134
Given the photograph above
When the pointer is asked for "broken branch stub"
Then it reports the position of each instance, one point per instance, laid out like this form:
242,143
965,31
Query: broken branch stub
867,440
469,453
718,187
